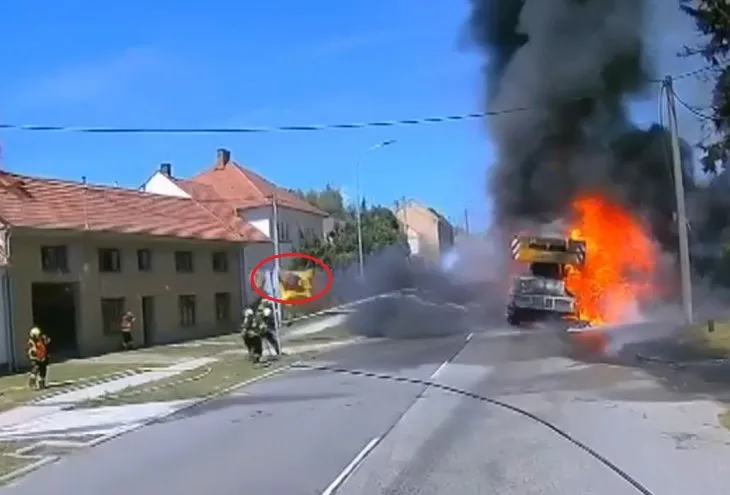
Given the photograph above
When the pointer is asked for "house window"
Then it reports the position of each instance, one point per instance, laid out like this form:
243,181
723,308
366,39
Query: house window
186,305
54,258
220,261
184,261
223,306
110,260
283,229
112,310
144,260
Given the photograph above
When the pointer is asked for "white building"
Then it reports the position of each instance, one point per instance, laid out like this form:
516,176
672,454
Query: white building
232,192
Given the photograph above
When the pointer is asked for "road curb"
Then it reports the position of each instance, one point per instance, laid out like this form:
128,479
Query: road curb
196,402
156,419
192,404
27,469
333,311
202,400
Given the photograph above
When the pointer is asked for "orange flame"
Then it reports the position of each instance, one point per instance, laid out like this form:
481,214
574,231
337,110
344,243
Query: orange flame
620,261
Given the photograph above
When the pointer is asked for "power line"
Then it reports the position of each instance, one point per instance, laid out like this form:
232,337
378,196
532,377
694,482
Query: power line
259,130
297,128
687,74
689,107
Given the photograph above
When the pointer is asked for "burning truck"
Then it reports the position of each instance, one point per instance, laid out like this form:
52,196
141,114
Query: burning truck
558,81
542,295
599,271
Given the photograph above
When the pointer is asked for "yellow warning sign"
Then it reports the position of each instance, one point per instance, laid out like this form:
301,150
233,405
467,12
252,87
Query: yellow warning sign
296,284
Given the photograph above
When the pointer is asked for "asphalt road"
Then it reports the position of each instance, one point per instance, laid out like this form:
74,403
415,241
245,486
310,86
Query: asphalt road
668,441
291,435
307,432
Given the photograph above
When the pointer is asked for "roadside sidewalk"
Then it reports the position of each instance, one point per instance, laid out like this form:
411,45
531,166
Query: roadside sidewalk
186,362
149,385
87,372
33,436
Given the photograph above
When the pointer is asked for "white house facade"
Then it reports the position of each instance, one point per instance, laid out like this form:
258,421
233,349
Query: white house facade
297,220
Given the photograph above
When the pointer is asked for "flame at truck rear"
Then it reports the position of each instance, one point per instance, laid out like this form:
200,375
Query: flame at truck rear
620,261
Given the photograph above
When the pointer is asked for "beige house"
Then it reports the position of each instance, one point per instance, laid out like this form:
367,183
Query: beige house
74,257
229,190
429,233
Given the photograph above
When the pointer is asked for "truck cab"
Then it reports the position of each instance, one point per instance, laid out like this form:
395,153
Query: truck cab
542,294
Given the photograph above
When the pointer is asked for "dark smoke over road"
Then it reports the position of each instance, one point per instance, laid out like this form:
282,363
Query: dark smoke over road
574,63
429,301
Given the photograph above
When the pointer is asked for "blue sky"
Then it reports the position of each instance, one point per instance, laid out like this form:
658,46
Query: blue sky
221,63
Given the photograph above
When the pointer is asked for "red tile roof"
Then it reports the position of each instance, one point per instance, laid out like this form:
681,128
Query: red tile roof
57,204
243,189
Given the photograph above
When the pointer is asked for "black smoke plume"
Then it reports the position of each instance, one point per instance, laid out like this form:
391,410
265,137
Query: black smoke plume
573,64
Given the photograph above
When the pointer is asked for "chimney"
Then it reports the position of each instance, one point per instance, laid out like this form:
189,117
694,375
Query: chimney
166,169
224,156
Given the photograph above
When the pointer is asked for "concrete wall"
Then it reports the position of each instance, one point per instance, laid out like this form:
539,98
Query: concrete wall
446,236
162,282
430,233
253,254
291,222
423,223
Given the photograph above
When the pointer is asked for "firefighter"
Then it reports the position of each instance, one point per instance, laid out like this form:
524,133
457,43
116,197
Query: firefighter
251,334
38,356
268,318
125,327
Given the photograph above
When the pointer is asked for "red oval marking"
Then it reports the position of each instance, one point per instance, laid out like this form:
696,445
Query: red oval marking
258,290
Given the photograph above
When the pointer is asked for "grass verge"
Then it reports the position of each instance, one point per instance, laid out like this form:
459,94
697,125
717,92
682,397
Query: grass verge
711,339
224,373
14,389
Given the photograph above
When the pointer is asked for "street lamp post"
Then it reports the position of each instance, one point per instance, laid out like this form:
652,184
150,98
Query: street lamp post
360,256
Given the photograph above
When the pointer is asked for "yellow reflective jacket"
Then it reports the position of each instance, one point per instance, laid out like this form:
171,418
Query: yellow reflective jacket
38,348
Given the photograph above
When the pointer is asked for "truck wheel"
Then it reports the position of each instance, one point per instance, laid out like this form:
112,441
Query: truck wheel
513,319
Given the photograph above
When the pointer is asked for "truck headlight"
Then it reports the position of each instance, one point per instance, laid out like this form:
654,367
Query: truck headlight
555,286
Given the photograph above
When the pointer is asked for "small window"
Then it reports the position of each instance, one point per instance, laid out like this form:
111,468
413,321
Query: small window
112,310
283,229
110,260
223,306
144,260
220,261
186,304
54,258
184,261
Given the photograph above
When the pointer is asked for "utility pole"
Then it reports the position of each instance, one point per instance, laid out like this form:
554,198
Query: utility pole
684,265
405,216
277,267
466,221
360,254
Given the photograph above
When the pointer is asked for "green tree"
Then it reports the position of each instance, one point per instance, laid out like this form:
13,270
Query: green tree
712,20
329,200
380,229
